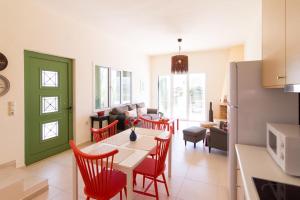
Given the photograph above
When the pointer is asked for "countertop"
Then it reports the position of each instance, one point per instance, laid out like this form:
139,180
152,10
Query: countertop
256,162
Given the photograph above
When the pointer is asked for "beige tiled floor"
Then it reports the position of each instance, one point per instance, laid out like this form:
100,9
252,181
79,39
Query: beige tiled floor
196,174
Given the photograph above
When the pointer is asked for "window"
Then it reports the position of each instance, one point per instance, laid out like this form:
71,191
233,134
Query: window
126,87
182,96
115,87
101,87
112,87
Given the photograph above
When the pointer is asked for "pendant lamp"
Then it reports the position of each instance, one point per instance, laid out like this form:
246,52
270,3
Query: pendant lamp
179,63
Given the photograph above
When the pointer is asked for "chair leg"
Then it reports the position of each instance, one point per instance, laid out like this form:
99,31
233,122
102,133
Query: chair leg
209,149
121,196
185,142
165,182
156,189
134,180
144,179
125,190
194,145
87,198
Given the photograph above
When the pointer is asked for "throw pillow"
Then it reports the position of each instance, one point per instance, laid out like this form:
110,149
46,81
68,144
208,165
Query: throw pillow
132,106
131,113
142,111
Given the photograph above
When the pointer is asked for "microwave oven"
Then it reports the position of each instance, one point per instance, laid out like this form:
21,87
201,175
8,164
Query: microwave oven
283,144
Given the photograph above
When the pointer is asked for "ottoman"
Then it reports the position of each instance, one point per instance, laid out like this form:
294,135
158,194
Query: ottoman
194,134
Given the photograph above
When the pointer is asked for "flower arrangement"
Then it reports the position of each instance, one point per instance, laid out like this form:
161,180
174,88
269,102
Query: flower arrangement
132,123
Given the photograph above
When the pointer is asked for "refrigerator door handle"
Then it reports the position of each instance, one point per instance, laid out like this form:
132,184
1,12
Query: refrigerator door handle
232,106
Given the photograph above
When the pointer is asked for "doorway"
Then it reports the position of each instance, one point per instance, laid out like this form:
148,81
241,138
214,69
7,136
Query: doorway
48,105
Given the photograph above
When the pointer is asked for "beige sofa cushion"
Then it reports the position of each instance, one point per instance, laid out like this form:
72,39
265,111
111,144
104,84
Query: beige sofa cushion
131,113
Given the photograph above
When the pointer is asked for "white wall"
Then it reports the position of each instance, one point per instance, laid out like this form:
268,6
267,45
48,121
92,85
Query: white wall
26,26
253,42
213,63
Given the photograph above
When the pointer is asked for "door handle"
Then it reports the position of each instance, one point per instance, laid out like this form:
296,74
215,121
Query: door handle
70,108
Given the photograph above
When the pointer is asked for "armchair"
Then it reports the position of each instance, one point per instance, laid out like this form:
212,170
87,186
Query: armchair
218,138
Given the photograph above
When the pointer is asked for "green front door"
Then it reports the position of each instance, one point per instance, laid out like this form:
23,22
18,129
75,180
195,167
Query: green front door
48,105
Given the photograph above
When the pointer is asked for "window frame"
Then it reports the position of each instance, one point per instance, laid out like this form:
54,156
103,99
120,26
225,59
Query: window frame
110,103
94,88
130,87
110,86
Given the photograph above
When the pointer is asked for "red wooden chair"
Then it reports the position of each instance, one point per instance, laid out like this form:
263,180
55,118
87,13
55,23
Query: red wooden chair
156,125
101,181
105,132
152,168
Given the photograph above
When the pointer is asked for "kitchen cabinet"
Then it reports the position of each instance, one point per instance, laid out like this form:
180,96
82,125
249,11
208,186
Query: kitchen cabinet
273,43
292,42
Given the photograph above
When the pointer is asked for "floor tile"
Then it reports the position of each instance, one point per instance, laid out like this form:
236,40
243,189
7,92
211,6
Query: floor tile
195,190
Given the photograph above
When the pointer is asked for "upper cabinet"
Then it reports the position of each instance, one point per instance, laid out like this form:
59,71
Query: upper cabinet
292,41
273,47
281,42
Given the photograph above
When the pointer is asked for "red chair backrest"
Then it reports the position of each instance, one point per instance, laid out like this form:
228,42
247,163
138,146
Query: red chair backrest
105,132
156,125
96,170
162,148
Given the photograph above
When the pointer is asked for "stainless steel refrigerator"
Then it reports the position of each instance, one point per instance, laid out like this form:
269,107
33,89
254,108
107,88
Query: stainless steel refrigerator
250,107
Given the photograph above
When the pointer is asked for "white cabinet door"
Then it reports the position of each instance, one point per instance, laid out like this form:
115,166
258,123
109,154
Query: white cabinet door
292,42
273,47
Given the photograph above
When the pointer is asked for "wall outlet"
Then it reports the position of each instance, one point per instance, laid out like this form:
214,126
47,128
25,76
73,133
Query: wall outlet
11,108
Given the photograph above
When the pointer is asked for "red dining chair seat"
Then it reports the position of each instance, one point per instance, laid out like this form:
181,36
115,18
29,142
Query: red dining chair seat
115,184
147,167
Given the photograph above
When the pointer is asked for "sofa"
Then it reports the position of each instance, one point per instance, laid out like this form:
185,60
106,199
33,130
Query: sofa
123,112
218,137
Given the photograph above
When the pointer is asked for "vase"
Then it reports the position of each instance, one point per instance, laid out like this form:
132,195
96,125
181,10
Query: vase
132,136
211,113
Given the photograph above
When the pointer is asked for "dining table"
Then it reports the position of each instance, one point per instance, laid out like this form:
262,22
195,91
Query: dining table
130,155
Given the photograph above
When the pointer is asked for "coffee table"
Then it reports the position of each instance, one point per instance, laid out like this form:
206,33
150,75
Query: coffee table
208,125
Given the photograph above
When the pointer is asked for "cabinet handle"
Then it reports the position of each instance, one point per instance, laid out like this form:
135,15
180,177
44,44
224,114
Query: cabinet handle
280,77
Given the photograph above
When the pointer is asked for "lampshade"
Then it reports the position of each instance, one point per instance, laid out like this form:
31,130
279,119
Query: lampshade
179,63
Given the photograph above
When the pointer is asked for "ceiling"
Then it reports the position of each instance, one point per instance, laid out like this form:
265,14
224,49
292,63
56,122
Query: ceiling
153,26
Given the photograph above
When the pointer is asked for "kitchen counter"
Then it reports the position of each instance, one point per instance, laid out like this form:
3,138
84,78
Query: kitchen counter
256,162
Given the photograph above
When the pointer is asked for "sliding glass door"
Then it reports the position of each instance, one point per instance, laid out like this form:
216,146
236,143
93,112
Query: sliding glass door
164,95
179,96
196,97
182,96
